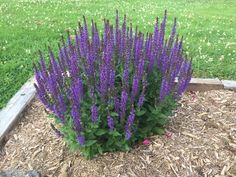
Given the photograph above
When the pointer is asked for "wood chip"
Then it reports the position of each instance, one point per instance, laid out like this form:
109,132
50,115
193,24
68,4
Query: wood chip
190,135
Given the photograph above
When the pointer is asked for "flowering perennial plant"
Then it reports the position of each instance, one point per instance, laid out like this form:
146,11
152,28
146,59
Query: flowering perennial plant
112,90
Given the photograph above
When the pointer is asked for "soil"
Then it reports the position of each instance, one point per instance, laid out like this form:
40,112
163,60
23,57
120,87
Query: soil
200,141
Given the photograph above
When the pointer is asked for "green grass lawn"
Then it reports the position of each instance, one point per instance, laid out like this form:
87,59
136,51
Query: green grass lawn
208,27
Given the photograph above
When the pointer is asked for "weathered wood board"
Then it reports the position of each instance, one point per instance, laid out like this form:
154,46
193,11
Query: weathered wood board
15,106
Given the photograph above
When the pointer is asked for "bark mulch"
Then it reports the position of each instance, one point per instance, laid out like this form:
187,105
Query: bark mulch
200,141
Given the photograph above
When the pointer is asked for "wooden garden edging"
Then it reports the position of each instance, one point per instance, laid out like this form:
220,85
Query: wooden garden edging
14,108
11,113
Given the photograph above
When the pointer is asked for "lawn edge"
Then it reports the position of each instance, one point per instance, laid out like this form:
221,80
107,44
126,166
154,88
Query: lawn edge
19,102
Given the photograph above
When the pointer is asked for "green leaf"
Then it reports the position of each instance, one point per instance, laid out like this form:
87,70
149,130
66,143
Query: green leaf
74,146
163,116
126,147
118,143
51,116
90,142
151,117
162,121
156,111
87,154
114,114
150,108
159,130
88,130
100,150
110,142
140,113
100,132
116,133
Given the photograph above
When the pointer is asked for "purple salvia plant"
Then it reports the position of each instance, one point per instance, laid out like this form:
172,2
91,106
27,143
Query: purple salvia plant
112,69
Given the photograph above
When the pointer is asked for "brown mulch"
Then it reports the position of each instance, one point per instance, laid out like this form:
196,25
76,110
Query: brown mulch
200,141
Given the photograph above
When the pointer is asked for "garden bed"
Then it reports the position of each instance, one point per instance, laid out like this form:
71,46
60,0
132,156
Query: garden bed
200,141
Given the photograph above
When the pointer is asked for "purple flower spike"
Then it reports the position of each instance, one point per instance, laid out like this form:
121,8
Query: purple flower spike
61,103
129,124
172,35
41,95
43,67
123,102
58,113
112,78
126,76
103,80
77,91
94,113
135,87
141,100
165,89
110,122
162,31
128,134
141,68
80,139
76,118
117,104
131,118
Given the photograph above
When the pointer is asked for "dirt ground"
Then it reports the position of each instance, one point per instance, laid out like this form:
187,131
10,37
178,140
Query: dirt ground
200,141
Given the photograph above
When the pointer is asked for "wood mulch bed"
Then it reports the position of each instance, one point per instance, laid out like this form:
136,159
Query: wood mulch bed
200,141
